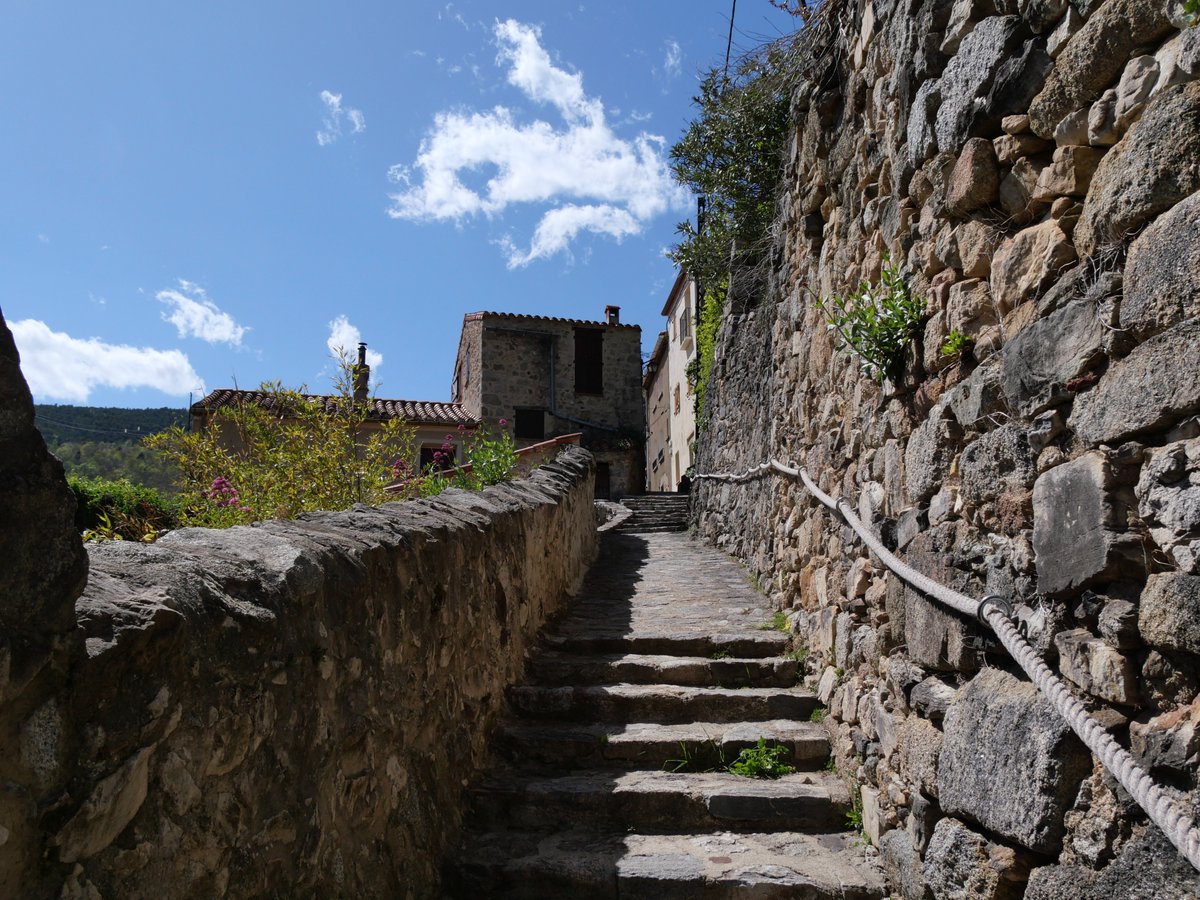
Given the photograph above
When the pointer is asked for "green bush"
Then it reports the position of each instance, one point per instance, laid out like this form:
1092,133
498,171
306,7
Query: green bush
120,510
290,455
762,761
877,322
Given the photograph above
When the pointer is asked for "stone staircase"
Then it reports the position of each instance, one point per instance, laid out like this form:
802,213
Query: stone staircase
655,513
609,778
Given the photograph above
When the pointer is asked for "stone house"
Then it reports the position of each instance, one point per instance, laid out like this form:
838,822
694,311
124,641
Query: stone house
658,418
668,458
433,421
544,376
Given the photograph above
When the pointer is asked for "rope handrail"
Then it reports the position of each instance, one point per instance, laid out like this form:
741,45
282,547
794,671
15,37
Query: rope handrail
1168,814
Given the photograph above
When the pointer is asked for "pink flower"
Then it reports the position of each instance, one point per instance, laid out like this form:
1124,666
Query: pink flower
503,422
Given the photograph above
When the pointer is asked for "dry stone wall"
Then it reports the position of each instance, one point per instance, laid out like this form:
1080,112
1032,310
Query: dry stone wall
288,709
1033,166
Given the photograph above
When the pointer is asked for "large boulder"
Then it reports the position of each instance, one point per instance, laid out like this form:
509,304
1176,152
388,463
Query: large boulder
1009,762
1153,167
1153,387
45,566
1094,57
1043,358
1162,275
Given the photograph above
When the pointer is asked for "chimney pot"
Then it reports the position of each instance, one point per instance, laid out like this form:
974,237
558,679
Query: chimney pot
612,315
362,374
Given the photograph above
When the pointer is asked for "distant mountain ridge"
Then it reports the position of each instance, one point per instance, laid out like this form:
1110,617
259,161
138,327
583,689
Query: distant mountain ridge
106,442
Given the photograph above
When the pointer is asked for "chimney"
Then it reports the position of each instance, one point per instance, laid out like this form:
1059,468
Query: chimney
612,315
362,374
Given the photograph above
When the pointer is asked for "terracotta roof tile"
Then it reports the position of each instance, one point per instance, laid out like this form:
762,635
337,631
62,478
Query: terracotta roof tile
526,317
420,412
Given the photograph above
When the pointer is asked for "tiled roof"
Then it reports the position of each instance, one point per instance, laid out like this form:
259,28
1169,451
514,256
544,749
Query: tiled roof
525,317
419,412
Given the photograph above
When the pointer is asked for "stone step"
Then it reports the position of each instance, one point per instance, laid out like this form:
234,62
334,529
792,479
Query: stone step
743,645
652,745
641,668
660,703
661,802
584,865
638,528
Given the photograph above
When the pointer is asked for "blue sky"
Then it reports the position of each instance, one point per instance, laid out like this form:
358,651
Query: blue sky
209,194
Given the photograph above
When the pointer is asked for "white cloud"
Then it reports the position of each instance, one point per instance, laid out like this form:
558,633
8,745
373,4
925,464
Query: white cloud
60,367
194,315
344,339
331,125
590,179
673,60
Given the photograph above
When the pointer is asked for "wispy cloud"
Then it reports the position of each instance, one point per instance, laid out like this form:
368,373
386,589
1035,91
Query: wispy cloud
335,116
344,339
194,315
60,367
586,177
672,59
42,238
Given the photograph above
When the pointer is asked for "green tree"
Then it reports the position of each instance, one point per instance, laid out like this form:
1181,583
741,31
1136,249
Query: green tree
732,155
291,454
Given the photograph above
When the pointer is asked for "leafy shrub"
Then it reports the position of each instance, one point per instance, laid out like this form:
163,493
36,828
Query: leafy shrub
289,455
120,510
762,761
489,459
877,322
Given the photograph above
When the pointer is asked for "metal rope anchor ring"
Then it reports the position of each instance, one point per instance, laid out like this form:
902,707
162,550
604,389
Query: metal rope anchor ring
997,601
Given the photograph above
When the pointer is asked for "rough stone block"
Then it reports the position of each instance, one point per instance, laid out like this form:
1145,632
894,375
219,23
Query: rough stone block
1017,187
1009,761
1096,667
975,179
872,815
1168,493
977,242
1011,147
1118,624
1133,90
902,864
927,457
937,638
1093,58
1169,612
932,697
1148,171
1162,274
996,462
1152,388
920,743
969,76
1026,264
1074,538
1171,740
963,865
1071,171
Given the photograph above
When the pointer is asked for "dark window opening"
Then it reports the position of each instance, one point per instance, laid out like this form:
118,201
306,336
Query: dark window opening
603,481
529,424
589,361
433,456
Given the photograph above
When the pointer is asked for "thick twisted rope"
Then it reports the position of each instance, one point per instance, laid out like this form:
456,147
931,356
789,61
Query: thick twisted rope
1167,813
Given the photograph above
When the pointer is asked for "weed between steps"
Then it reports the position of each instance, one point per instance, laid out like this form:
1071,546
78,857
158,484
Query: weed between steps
760,761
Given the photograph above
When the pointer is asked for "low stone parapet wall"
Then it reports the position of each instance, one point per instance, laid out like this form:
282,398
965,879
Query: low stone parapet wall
293,708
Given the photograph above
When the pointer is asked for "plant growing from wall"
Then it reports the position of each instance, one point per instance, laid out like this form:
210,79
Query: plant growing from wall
957,345
120,510
290,455
877,322
699,369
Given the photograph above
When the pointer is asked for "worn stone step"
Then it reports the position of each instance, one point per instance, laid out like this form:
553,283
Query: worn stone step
643,668
742,644
590,866
653,745
636,528
652,801
660,703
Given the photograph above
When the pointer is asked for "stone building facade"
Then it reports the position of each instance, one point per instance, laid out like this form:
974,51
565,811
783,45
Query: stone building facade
1034,170
679,311
546,376
657,389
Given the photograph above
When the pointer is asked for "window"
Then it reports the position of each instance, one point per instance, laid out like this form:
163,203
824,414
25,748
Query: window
430,454
589,361
676,399
685,326
529,424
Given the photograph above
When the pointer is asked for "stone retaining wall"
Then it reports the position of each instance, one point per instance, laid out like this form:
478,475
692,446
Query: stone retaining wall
288,709
1033,166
